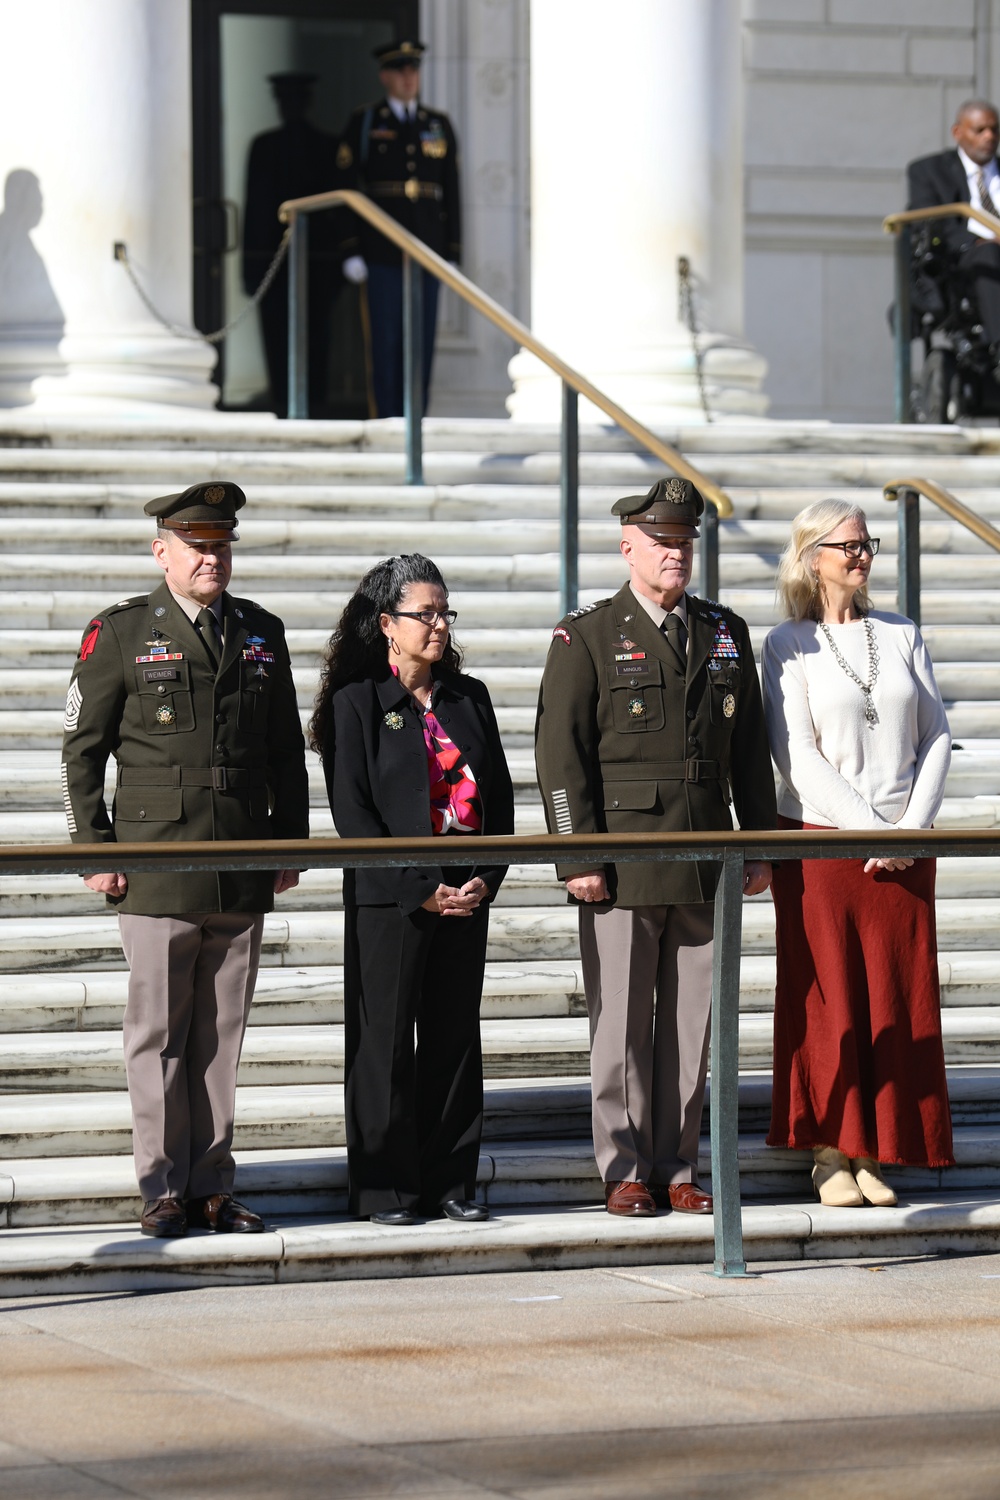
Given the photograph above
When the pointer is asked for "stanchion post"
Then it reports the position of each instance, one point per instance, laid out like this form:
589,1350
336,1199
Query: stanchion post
569,497
725,1100
710,553
413,368
908,562
903,376
298,317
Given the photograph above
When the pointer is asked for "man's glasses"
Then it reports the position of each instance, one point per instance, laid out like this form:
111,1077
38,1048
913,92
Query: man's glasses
855,550
427,617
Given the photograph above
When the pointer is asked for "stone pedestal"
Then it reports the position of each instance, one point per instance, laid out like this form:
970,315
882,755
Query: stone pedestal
636,131
95,132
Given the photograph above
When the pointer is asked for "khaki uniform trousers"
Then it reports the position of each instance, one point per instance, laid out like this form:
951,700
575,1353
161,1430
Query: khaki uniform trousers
647,972
189,993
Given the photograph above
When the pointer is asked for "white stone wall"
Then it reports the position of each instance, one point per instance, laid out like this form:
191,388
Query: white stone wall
840,94
477,70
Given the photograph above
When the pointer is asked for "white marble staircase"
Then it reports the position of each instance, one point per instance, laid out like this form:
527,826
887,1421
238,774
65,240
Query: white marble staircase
324,500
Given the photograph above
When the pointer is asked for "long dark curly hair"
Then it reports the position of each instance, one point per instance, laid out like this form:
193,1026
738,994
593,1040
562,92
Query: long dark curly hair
357,648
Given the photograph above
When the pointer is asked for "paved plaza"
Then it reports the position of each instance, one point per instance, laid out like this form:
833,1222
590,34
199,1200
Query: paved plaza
836,1379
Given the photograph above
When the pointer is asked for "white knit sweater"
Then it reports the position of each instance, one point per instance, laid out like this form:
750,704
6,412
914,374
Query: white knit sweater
835,769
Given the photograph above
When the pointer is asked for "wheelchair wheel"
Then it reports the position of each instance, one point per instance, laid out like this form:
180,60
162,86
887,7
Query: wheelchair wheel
939,396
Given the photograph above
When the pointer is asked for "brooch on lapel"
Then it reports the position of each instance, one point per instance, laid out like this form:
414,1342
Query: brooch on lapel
393,720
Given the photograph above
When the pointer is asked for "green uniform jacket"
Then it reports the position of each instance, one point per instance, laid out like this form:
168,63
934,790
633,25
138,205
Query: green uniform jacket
626,741
200,755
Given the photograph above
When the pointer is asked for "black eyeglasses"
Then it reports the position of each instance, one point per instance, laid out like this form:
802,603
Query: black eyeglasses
428,617
855,550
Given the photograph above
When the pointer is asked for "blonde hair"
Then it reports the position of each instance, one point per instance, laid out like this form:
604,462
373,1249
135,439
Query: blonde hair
798,586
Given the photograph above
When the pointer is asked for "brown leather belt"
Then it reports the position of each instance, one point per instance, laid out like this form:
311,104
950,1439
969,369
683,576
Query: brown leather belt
219,778
663,770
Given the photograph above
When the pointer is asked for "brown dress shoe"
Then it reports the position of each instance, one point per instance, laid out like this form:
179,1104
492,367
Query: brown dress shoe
165,1218
630,1199
224,1214
686,1198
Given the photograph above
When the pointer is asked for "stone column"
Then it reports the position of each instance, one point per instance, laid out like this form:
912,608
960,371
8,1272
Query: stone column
95,146
636,154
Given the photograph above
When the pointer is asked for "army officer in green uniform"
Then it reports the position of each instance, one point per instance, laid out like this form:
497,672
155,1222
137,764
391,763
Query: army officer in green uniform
649,718
190,690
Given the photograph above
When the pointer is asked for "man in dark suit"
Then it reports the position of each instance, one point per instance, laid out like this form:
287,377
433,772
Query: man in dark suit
649,717
404,156
291,162
190,690
969,174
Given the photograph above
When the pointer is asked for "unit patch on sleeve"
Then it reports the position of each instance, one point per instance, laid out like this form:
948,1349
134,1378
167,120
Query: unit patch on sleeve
90,639
559,634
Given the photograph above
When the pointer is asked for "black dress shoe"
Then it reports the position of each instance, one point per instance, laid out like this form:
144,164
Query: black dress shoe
393,1216
464,1211
222,1213
165,1218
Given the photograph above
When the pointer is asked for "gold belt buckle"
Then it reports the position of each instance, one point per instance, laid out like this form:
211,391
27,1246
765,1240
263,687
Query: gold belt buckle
412,189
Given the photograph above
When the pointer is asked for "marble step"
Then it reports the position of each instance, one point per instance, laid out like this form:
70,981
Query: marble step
54,1191
514,645
552,1047
28,608
105,1259
310,1115
294,939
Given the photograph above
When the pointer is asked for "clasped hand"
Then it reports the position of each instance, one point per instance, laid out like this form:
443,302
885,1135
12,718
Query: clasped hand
890,862
449,901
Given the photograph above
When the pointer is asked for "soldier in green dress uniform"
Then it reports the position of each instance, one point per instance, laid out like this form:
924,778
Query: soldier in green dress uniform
190,691
650,720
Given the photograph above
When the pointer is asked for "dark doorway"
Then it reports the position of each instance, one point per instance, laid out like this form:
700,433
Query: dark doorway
236,44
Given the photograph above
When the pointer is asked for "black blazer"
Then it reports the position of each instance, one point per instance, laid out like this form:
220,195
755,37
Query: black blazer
941,179
378,785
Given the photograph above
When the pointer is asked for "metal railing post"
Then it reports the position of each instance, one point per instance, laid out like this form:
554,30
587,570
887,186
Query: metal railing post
725,1099
903,377
710,552
908,562
413,368
569,500
298,317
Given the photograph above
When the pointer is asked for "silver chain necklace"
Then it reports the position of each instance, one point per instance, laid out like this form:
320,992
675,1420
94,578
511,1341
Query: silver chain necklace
871,715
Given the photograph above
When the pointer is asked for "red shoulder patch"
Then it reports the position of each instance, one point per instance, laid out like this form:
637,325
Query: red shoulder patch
90,639
559,634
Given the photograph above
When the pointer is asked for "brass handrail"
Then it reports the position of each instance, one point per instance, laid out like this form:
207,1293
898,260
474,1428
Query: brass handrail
940,211
948,503
907,492
513,327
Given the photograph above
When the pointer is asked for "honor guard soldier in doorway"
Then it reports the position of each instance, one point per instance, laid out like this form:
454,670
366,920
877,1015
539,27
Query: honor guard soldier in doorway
649,717
190,690
404,157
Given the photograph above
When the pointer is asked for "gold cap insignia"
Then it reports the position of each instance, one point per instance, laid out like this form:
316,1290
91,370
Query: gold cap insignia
215,494
676,490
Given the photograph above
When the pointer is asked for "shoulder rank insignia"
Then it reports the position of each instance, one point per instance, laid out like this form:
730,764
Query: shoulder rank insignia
586,609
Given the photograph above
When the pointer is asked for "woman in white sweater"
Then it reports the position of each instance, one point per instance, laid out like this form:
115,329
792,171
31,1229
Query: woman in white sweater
860,738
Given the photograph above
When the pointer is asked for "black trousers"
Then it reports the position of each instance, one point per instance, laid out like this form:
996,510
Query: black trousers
414,1114
981,262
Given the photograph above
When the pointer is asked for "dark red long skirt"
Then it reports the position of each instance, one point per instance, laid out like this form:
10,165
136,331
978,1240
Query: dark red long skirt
858,1058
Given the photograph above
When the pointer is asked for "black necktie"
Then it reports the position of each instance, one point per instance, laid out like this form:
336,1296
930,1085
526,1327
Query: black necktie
986,202
674,629
208,629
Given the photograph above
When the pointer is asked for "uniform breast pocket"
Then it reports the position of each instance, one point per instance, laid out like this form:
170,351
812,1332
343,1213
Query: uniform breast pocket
255,703
637,699
724,695
165,695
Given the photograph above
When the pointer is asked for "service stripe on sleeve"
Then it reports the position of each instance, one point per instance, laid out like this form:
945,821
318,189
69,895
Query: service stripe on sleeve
560,806
64,777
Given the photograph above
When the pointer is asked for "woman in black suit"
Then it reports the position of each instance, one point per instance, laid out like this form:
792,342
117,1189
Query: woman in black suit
410,747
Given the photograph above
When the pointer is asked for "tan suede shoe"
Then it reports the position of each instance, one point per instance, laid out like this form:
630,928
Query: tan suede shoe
874,1188
832,1179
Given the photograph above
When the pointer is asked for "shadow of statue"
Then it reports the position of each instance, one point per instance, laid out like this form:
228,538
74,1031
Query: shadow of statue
31,319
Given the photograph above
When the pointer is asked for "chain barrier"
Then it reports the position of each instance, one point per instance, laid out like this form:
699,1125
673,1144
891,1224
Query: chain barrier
686,312
121,254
